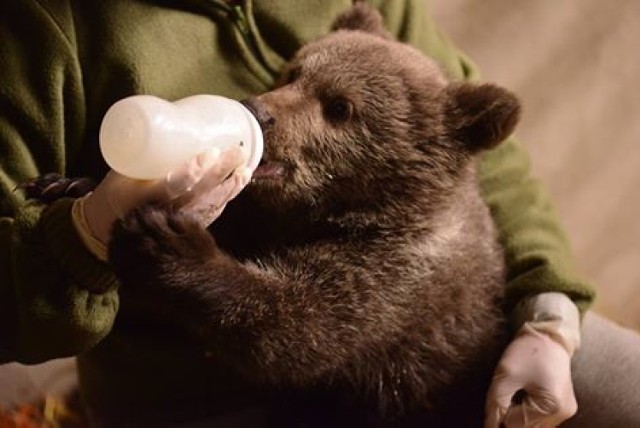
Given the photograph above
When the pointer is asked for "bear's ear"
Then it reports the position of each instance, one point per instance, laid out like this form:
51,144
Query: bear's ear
480,116
362,17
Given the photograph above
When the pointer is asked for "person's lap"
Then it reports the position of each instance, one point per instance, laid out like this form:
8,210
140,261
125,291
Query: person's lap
606,376
606,372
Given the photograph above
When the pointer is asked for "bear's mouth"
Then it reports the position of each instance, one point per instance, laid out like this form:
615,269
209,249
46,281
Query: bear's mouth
268,170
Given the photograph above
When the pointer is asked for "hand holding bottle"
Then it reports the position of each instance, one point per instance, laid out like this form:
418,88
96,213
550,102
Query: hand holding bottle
201,188
196,155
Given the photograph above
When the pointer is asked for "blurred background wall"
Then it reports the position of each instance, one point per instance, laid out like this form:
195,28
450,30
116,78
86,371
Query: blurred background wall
576,66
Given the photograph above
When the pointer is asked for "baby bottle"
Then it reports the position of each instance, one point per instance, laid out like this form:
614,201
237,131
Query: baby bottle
145,137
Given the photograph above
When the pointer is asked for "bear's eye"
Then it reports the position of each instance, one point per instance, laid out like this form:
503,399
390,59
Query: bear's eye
339,109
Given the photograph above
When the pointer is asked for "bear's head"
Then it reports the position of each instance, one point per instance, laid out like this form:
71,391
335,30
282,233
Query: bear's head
360,123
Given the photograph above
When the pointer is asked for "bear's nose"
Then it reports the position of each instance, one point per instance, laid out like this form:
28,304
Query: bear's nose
260,111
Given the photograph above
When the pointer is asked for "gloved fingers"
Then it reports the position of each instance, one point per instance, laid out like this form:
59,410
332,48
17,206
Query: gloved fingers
214,215
540,408
121,194
537,410
529,413
499,399
533,404
494,414
117,194
518,417
243,178
226,192
203,171
185,178
208,206
231,163
558,401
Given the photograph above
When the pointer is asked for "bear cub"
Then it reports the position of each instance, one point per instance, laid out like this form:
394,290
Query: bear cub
359,272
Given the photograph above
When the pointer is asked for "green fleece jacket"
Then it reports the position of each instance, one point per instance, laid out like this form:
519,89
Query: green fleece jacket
64,62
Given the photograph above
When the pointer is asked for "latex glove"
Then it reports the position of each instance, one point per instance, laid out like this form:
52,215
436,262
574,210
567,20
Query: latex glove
201,188
532,384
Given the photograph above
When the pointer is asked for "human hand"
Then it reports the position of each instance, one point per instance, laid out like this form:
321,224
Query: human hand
532,384
541,368
200,188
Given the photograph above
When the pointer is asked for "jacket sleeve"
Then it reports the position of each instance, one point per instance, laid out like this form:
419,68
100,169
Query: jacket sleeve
56,299
536,249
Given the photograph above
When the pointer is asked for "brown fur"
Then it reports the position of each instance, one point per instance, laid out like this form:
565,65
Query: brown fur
368,273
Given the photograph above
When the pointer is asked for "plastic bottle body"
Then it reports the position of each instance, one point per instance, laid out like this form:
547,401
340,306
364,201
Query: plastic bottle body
145,137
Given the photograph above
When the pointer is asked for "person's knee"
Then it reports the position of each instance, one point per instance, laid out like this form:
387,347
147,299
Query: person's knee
606,375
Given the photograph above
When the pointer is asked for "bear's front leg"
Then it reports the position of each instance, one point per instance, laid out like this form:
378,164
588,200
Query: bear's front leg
168,258
154,247
269,318
293,319
168,266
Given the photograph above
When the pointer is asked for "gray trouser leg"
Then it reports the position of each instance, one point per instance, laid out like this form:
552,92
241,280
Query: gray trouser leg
606,376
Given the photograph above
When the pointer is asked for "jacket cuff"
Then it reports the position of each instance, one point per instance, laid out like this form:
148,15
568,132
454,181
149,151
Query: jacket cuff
548,277
79,219
553,314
